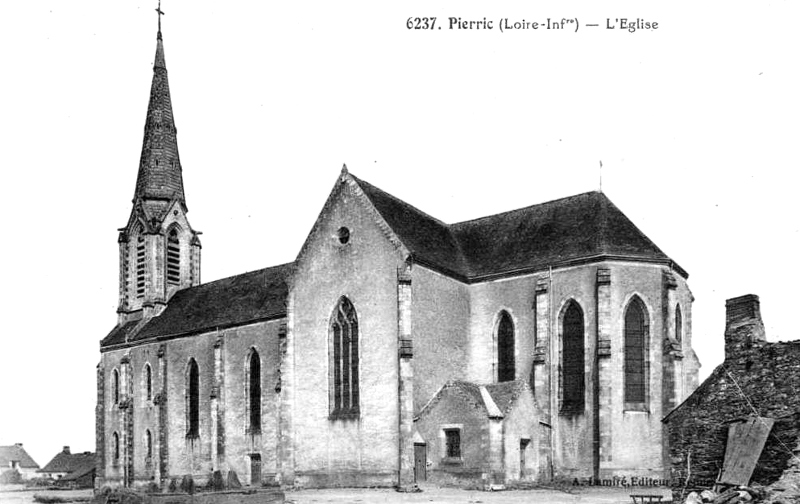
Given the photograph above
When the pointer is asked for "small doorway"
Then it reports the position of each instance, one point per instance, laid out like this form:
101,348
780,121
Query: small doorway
255,469
545,453
523,447
420,462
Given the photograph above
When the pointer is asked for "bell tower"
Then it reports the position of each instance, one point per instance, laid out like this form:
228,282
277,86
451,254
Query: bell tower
159,252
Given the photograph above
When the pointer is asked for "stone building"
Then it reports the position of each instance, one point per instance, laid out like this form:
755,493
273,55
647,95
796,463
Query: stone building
16,458
317,372
757,379
74,470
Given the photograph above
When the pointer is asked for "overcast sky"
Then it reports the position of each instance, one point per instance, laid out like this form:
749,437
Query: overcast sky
696,125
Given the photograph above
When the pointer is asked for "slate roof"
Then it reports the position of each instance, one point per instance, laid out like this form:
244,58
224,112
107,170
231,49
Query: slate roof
503,394
249,297
430,240
75,464
579,228
16,452
557,232
160,173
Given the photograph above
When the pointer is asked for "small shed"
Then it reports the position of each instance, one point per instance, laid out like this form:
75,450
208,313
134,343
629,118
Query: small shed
471,432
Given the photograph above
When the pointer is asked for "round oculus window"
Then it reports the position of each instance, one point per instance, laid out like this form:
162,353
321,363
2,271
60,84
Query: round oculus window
343,234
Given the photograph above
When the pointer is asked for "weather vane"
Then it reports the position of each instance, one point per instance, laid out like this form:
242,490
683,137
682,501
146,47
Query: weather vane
160,13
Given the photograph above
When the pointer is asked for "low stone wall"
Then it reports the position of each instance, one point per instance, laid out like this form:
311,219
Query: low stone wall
254,496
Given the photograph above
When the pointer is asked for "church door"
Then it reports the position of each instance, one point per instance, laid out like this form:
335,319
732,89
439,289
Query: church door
545,453
523,446
255,469
420,461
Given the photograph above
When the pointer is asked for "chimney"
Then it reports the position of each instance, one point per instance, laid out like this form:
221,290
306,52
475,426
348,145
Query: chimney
66,450
18,444
743,325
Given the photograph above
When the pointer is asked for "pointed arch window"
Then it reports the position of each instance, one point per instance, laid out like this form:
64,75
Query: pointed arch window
140,265
505,348
115,386
636,330
193,400
148,383
254,393
115,449
573,360
678,323
148,446
173,257
344,361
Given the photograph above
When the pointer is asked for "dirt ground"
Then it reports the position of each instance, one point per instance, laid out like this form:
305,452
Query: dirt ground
593,495
429,495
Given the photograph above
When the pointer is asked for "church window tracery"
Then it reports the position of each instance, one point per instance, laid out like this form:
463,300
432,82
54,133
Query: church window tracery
344,361
573,360
505,348
636,333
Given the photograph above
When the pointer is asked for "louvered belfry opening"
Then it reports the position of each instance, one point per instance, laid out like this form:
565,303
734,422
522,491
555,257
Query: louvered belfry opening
505,349
140,266
573,363
344,343
635,353
173,258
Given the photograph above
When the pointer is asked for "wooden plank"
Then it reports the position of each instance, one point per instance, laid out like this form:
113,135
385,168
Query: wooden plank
745,442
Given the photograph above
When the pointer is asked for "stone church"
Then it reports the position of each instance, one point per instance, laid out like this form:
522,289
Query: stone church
539,343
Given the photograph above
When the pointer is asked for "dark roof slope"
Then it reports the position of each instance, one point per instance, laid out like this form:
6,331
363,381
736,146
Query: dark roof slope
76,464
18,453
120,333
429,239
249,297
504,394
557,232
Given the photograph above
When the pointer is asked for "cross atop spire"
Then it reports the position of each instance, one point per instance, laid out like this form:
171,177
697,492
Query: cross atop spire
160,13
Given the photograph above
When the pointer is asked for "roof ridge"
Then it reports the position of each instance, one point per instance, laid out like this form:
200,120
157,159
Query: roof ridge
521,209
238,275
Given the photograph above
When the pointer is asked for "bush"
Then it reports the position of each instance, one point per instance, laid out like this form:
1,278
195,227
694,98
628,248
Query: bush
10,477
48,499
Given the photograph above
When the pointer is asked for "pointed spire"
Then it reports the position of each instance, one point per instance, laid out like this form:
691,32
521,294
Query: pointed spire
160,177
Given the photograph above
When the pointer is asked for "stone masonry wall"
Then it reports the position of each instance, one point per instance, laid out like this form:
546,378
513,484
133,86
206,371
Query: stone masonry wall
454,410
440,324
756,376
353,451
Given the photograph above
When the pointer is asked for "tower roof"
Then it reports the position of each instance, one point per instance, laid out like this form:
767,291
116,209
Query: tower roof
160,179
